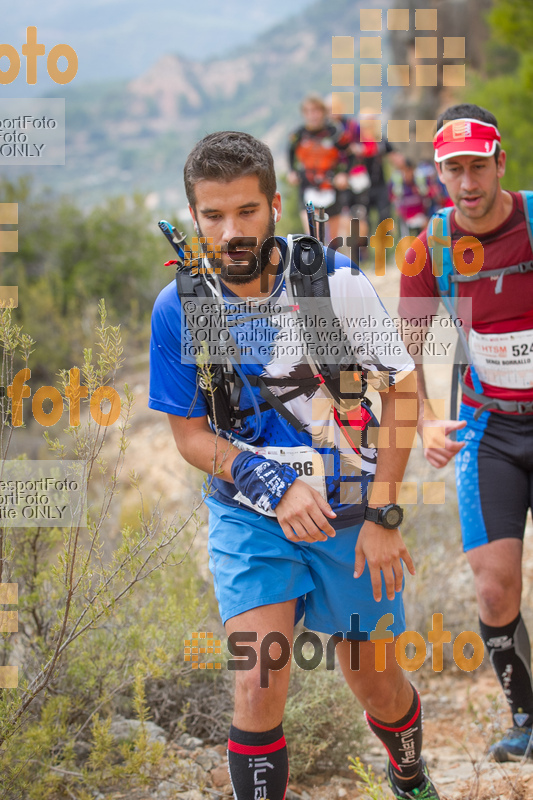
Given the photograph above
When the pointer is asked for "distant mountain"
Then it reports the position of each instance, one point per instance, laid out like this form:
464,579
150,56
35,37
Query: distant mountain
132,135
121,38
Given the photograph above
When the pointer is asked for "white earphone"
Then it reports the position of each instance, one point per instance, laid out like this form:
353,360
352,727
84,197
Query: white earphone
276,215
196,228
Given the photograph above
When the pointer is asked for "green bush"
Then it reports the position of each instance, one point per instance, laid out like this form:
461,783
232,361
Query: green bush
102,613
504,86
323,721
68,259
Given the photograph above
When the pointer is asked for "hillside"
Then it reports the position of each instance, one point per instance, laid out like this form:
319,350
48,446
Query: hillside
118,39
126,136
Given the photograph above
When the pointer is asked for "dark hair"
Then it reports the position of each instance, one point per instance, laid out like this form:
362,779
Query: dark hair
469,111
227,155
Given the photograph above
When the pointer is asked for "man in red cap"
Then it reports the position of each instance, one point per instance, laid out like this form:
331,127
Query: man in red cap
494,447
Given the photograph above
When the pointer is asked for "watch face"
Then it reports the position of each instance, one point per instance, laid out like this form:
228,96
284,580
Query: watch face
393,517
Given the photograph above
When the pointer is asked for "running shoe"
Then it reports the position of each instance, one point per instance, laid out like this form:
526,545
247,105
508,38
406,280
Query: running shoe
513,746
424,791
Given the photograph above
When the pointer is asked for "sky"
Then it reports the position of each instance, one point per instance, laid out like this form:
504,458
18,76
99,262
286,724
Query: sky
122,38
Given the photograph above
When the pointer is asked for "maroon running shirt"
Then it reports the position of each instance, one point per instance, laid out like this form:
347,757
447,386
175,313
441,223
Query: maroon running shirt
511,310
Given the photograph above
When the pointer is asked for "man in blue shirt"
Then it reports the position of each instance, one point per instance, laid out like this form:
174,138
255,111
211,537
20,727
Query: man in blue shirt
289,500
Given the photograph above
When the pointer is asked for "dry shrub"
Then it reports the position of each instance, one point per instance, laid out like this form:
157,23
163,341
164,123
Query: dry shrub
323,722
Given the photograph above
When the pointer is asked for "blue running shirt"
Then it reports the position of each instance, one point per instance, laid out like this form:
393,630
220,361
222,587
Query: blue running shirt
272,342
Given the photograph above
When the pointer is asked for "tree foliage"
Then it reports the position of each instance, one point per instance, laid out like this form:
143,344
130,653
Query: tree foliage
512,23
507,91
103,608
68,259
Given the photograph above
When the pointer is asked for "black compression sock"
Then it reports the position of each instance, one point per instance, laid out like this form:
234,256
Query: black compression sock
403,742
258,764
510,655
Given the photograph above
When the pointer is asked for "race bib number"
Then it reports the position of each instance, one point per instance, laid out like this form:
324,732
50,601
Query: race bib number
503,359
306,461
320,198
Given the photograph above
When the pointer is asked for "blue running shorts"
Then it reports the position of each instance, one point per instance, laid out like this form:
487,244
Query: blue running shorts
494,476
254,564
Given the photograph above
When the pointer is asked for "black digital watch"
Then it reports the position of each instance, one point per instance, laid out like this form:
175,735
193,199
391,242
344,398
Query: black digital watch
389,516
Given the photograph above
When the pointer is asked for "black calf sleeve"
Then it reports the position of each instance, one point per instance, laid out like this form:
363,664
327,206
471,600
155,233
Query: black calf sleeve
510,655
258,764
403,742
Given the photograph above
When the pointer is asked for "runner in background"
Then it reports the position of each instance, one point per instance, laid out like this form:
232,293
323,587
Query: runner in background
437,192
355,199
409,191
494,447
372,149
286,541
317,163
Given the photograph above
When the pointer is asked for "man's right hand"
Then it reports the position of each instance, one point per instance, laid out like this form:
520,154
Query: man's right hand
302,513
439,449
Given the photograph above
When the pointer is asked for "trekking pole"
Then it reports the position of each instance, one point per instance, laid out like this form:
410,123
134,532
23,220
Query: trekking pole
310,211
321,218
176,238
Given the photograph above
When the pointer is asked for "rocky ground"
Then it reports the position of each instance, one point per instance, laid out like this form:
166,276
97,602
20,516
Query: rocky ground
461,715
459,719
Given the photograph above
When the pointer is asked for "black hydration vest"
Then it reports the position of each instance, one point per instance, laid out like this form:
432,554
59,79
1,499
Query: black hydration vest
221,384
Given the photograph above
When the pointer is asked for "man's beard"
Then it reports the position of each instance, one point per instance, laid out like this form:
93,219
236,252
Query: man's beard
239,274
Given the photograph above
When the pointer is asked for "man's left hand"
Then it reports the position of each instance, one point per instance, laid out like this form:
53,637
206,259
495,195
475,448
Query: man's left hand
383,550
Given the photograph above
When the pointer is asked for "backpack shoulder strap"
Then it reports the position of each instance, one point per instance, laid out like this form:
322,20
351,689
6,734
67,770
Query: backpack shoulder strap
527,199
512,269
191,283
440,227
311,289
308,279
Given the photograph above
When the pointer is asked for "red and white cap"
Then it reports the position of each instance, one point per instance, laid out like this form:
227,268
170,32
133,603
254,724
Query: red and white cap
465,137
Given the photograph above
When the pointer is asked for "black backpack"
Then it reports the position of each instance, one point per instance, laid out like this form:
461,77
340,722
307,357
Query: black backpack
221,384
